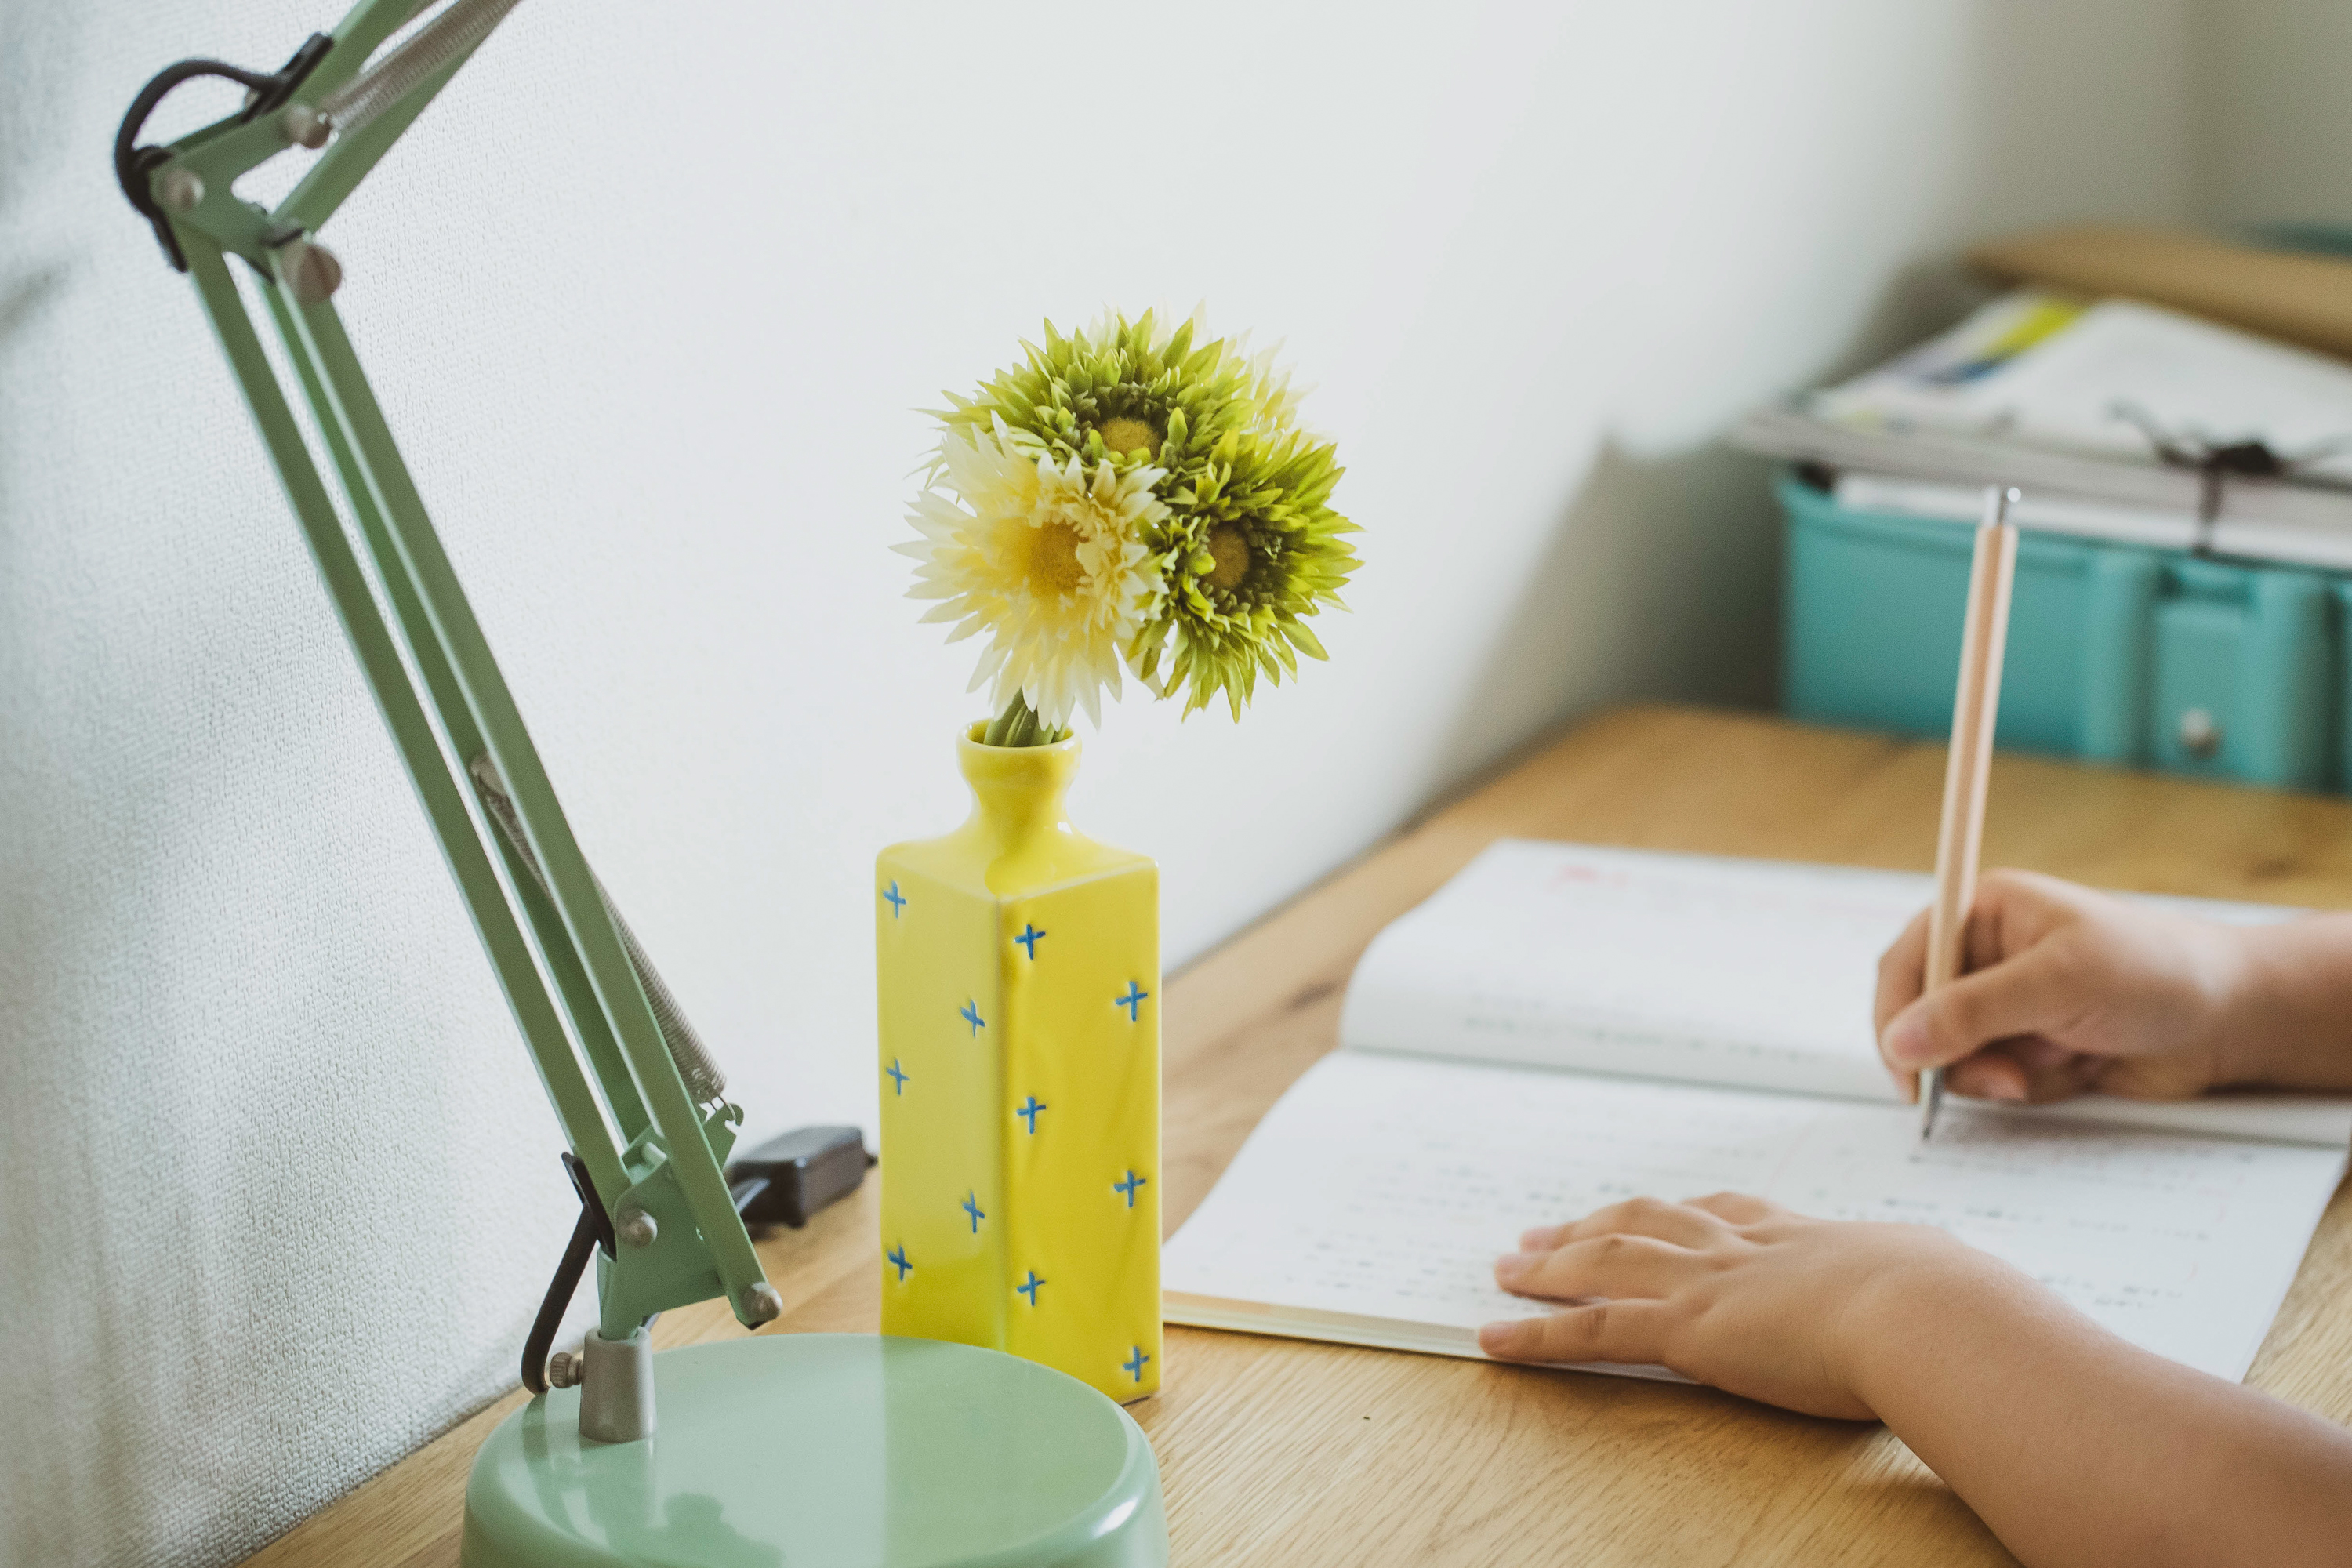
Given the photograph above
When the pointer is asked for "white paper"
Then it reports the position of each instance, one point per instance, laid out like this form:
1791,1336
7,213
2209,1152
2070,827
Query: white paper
2035,511
1754,973
1373,1199
2305,540
2196,380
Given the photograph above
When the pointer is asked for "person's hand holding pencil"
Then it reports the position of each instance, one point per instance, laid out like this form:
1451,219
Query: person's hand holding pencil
2068,990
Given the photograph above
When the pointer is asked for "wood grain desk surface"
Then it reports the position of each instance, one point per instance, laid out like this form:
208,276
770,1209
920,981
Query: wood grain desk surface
1282,1453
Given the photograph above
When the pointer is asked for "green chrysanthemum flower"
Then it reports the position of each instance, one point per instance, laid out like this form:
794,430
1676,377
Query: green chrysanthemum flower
1245,543
1128,392
1253,550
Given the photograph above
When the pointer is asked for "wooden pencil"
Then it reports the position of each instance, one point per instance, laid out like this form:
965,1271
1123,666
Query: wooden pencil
1976,707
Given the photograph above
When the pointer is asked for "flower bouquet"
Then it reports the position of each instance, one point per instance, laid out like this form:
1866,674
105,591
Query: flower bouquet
1126,499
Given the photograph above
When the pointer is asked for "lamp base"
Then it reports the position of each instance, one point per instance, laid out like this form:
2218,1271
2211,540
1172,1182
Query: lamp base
844,1449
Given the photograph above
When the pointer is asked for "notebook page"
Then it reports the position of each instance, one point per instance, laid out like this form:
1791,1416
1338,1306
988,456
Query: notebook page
1755,974
1379,1190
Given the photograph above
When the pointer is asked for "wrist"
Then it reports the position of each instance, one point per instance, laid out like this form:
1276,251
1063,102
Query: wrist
1908,1315
2282,1022
2241,981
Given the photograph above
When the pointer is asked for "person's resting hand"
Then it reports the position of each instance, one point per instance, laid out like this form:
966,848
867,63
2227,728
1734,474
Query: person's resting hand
2079,1450
1733,1291
2065,990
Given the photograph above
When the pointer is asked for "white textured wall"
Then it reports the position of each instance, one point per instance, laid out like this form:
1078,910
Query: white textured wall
649,298
2274,127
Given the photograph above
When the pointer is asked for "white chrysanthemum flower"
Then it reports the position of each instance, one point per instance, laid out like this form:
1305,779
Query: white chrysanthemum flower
1049,560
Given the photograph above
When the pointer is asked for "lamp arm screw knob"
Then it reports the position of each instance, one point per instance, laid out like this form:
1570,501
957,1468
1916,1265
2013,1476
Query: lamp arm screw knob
637,1228
304,126
310,270
180,188
563,1370
762,1303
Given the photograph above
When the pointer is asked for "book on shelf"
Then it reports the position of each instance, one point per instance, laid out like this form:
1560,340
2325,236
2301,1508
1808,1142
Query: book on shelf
2068,402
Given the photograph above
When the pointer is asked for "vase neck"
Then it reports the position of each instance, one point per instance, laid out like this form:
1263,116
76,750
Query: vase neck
1018,792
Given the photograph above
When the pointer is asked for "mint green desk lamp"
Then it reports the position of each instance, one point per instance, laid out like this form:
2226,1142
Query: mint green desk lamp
845,1450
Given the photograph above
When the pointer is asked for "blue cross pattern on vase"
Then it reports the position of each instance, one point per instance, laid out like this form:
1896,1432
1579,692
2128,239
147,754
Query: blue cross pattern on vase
1029,1286
1130,1185
971,1206
1134,1365
971,1014
897,1258
1029,938
1028,1111
898,1076
895,898
1132,1001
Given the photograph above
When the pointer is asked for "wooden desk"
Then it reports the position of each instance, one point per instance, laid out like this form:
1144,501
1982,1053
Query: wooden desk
1280,1453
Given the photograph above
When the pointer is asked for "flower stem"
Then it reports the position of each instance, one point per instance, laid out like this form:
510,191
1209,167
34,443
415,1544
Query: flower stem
1018,726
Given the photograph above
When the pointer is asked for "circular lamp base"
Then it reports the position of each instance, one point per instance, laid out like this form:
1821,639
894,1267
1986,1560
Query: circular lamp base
845,1450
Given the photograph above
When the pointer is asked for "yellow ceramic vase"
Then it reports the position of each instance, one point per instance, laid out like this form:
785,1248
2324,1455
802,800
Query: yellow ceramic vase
1019,969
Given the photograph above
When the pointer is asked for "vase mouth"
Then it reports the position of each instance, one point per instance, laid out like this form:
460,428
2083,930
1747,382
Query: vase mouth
968,739
1018,789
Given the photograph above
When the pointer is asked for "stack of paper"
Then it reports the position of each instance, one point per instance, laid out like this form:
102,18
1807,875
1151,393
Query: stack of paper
2059,399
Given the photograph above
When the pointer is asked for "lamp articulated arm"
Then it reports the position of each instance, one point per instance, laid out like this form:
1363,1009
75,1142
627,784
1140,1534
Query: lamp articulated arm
651,1153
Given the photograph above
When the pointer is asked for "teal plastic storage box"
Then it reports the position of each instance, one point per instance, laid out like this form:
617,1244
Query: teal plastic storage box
2116,653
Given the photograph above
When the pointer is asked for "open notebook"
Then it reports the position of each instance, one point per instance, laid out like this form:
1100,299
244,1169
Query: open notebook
1562,1026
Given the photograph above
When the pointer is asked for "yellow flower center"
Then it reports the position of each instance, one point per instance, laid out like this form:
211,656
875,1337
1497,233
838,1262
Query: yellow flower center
1229,547
1128,433
1054,558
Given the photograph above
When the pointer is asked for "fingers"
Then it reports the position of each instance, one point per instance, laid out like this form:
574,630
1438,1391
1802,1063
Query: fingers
2034,992
1638,1216
1613,1266
2046,1082
2030,1071
2154,1077
1688,1223
1902,974
1987,1075
1603,1331
2014,914
1737,1209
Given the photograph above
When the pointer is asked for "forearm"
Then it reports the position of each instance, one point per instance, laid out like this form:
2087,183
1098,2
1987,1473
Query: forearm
2289,1021
2078,1449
